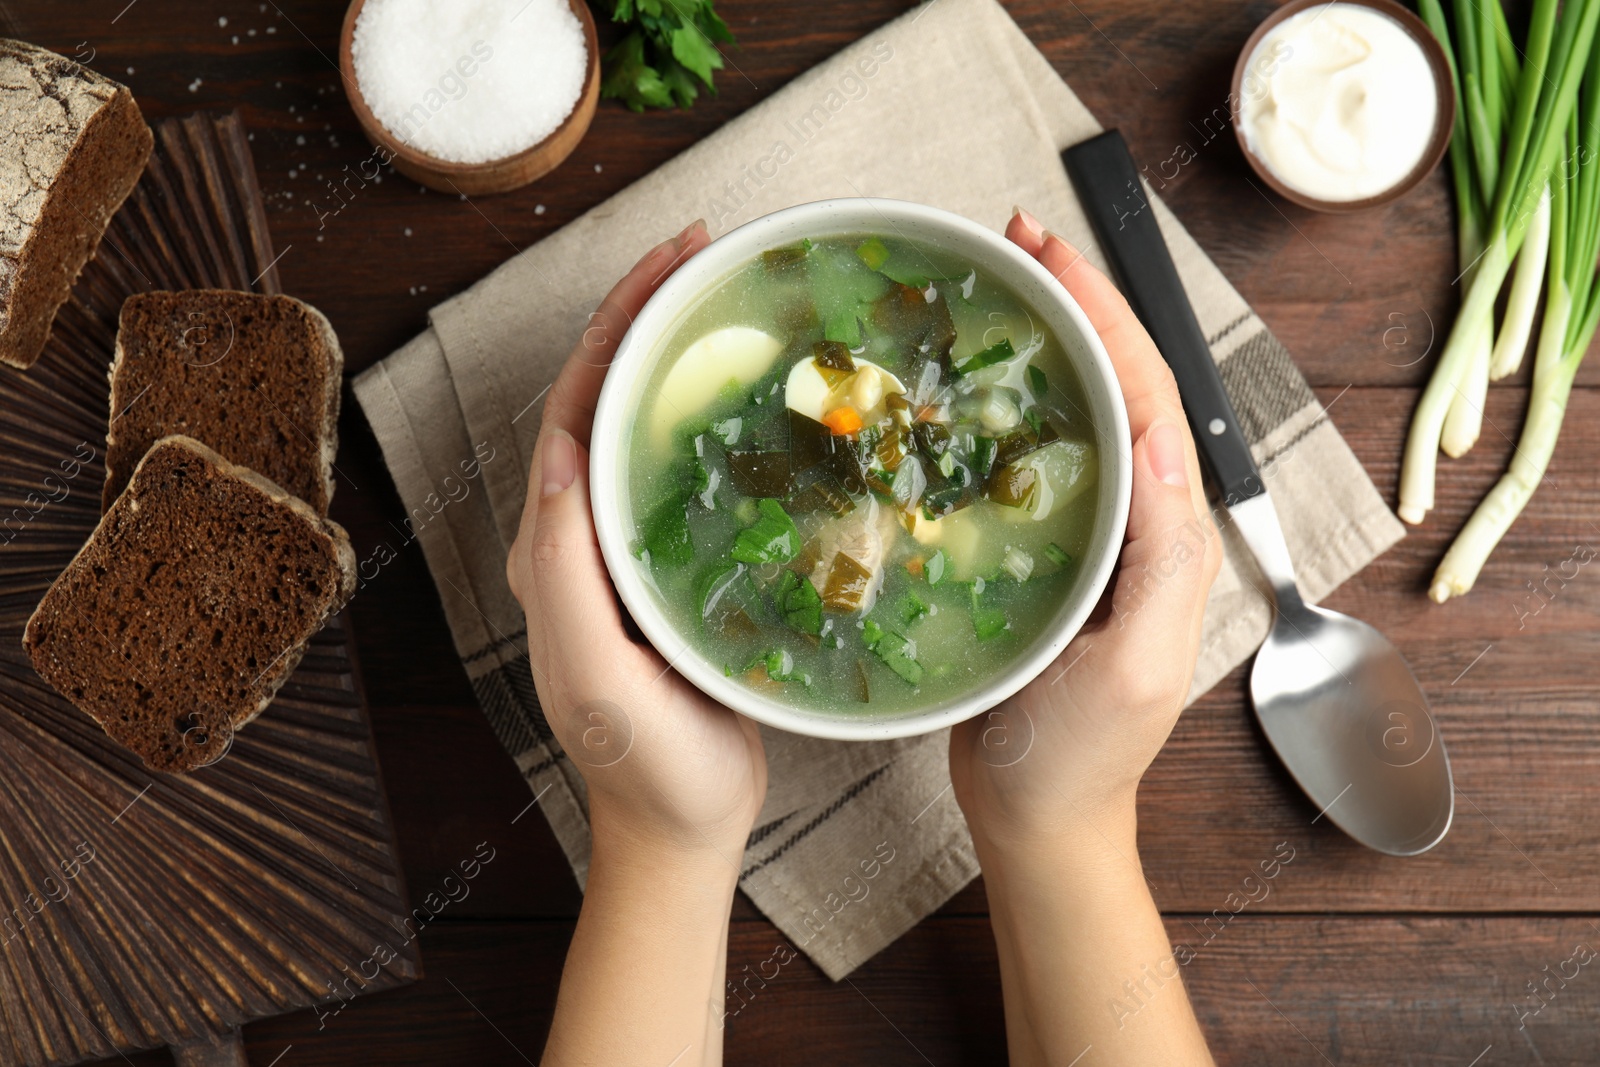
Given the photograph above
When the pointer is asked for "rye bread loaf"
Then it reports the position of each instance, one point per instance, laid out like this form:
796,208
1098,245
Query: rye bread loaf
72,147
189,605
254,377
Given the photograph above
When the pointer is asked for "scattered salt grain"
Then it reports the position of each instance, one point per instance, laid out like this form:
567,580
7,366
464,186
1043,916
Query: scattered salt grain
272,29
408,231
130,70
538,209
470,81
222,21
194,86
597,168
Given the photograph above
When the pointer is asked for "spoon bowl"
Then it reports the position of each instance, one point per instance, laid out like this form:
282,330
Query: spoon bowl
1348,719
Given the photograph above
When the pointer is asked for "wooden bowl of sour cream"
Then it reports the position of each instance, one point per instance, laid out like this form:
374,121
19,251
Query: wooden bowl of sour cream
467,161
1335,135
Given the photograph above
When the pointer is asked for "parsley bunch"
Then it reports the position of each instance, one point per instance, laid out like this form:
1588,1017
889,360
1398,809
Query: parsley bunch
672,43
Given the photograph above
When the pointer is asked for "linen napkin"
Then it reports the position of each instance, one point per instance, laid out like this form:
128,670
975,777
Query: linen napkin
949,105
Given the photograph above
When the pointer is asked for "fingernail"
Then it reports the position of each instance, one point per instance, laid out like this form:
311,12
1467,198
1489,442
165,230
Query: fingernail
1163,446
683,236
560,463
1051,235
660,255
1030,223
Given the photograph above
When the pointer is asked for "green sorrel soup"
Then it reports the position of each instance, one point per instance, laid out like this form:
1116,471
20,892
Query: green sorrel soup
862,475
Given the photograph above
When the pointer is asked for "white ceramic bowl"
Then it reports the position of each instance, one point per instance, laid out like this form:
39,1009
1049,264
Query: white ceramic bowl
630,373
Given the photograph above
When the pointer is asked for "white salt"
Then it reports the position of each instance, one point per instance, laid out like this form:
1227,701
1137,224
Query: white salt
472,80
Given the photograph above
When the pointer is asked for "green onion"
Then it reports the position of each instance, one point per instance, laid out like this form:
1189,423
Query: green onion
995,353
1545,97
989,624
871,633
1017,563
1571,313
912,608
1523,301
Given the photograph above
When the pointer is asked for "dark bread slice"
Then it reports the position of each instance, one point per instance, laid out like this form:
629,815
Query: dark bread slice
255,377
72,147
189,605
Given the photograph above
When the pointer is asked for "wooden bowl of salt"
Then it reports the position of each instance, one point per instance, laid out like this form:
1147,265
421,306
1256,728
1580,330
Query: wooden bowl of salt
423,80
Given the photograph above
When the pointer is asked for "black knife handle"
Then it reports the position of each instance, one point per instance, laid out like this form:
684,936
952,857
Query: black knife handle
1125,222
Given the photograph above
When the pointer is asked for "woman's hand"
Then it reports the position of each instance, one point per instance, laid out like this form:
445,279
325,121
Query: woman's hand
1065,755
666,766
1047,780
675,779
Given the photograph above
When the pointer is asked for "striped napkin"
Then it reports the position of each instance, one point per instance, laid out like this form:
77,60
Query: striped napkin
949,105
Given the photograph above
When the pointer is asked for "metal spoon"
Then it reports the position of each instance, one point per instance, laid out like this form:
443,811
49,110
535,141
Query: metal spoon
1334,697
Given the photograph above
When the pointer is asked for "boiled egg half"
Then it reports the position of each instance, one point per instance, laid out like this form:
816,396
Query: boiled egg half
815,391
733,355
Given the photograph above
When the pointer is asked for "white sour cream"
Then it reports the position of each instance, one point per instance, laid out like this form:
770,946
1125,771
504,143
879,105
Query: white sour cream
1339,102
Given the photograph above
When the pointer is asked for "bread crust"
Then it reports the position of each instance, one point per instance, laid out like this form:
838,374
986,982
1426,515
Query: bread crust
72,147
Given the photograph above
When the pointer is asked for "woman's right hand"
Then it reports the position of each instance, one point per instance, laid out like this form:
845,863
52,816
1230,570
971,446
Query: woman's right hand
666,766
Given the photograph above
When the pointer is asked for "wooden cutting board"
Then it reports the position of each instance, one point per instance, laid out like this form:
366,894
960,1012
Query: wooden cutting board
138,909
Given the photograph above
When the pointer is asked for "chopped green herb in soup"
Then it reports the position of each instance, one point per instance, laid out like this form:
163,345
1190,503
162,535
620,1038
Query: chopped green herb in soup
862,475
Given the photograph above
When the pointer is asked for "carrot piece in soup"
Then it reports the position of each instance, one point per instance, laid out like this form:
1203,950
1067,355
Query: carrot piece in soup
843,421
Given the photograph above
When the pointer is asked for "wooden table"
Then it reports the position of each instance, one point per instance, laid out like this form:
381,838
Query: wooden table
1353,958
